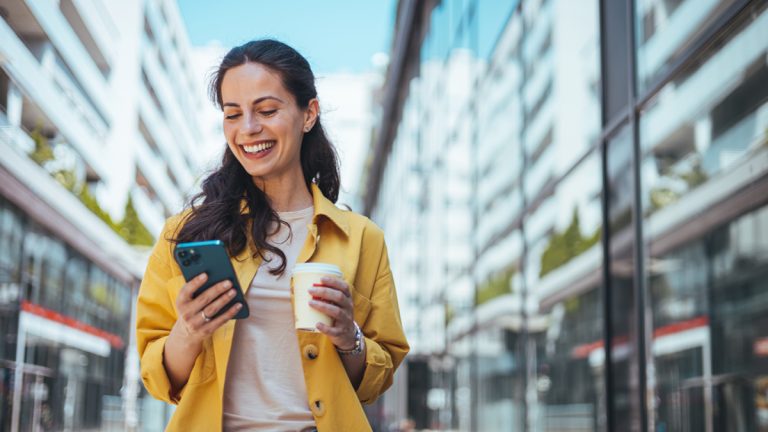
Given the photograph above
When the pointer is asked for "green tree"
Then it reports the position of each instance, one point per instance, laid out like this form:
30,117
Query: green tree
497,285
562,247
132,229
68,179
43,151
93,205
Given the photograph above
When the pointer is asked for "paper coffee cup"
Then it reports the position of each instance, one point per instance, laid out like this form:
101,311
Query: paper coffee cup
304,276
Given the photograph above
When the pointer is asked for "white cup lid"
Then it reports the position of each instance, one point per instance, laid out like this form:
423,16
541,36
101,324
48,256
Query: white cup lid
331,269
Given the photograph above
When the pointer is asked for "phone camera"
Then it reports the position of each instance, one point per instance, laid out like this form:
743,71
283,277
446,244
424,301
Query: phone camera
185,263
183,254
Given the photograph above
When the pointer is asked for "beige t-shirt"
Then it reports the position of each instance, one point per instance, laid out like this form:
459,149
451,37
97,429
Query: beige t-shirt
265,387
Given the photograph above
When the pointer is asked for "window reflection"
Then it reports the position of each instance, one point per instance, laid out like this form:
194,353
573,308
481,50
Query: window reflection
703,139
665,28
41,276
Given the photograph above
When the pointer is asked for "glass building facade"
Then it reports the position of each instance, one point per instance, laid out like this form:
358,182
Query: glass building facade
575,196
67,321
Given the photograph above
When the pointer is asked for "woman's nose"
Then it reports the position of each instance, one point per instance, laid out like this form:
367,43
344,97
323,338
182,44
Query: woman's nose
252,124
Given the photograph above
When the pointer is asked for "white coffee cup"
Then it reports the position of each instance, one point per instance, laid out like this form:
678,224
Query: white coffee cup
304,276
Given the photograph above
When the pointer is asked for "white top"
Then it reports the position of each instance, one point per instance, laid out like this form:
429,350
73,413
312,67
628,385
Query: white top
265,387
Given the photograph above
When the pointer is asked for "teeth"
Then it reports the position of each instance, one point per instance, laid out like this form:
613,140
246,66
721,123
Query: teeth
259,147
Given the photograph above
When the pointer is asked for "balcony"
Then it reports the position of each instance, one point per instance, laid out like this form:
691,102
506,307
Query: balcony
43,95
95,27
73,52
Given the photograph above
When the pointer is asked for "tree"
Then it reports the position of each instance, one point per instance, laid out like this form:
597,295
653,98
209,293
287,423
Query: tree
43,151
93,205
132,229
565,246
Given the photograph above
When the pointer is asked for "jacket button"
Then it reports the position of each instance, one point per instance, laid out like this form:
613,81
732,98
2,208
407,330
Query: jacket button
310,351
318,408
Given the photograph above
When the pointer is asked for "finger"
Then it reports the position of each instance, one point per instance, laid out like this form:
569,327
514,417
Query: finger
191,286
329,294
329,309
339,284
211,294
328,330
215,306
223,318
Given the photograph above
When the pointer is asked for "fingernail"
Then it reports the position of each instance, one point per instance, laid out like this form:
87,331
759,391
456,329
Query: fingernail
227,284
202,276
239,306
231,293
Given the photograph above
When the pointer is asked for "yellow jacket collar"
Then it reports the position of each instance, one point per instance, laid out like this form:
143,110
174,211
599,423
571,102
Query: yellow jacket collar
324,207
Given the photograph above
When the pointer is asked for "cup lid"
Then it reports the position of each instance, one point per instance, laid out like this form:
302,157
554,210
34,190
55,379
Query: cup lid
331,269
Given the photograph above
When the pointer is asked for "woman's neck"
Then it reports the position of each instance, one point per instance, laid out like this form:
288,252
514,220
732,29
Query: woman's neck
286,194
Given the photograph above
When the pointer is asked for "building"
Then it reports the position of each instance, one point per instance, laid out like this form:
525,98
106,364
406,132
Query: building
99,143
574,197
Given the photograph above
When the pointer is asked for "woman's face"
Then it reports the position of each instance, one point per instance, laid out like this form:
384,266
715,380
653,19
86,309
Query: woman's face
263,124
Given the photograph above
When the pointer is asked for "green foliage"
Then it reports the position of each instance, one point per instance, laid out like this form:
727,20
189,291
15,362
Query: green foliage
563,247
43,151
131,228
93,205
497,285
664,196
449,313
68,179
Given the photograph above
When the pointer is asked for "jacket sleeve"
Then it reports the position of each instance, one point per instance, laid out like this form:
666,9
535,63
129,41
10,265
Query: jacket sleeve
155,316
385,341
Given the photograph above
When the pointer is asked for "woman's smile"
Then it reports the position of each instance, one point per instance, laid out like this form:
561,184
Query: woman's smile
258,149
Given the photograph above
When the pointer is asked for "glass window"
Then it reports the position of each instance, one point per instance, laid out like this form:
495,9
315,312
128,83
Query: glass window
10,246
54,259
34,247
665,29
625,402
705,145
564,273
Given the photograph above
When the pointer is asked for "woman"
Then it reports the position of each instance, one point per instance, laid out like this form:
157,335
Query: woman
271,204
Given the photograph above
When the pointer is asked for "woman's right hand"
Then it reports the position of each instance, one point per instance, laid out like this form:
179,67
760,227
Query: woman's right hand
196,322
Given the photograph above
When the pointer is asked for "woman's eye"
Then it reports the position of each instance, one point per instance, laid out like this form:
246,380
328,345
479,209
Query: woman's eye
231,116
268,113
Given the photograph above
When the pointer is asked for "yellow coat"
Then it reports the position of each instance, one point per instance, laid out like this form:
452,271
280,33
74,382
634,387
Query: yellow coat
350,241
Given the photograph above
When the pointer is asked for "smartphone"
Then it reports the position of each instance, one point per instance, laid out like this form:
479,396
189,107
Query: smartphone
210,257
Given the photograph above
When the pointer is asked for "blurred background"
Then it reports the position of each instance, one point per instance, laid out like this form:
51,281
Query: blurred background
574,196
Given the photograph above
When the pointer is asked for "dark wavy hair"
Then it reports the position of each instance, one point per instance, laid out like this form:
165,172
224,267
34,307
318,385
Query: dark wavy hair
217,212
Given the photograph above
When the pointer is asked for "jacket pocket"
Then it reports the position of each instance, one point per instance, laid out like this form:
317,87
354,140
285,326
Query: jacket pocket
362,307
204,367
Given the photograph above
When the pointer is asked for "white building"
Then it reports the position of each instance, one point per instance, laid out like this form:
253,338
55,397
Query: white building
103,94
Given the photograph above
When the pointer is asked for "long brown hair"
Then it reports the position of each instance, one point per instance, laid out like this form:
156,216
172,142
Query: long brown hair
216,212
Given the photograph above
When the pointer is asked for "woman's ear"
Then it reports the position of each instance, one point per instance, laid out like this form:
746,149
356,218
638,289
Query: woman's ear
310,114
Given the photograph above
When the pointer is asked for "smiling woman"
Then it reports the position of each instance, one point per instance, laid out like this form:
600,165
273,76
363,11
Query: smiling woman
269,203
265,133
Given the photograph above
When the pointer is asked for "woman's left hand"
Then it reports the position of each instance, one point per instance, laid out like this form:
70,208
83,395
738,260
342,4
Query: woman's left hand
334,299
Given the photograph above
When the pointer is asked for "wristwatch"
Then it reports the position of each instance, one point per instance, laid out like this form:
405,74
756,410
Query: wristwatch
359,343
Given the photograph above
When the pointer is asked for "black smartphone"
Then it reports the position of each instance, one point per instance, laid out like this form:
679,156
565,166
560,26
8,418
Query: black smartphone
210,257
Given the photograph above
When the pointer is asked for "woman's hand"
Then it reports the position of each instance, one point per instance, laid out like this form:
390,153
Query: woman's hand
196,322
333,298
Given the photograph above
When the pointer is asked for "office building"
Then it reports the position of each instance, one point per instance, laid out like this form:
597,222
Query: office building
574,196
100,141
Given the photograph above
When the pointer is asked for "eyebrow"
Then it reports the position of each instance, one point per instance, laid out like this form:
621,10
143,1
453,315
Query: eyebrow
256,101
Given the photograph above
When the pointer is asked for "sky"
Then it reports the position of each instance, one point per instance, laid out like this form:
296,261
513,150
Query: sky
334,35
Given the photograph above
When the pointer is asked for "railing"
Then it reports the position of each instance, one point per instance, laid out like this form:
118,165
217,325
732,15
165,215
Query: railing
17,136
